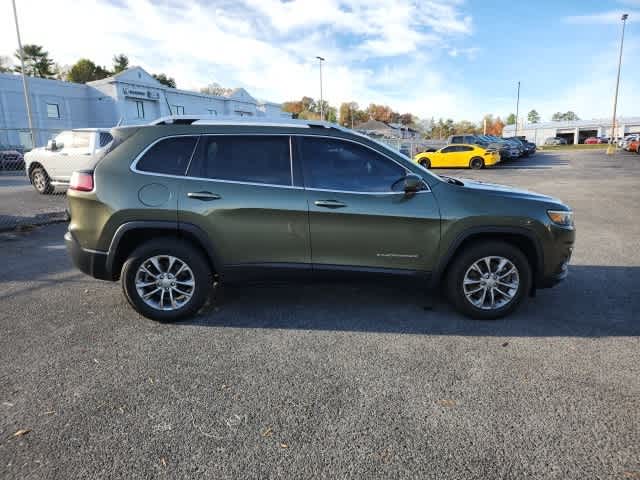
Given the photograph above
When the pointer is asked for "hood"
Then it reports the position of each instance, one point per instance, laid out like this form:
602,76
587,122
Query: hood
34,150
506,191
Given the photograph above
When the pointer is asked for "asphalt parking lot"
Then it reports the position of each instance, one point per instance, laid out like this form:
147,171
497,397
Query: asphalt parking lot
21,205
334,380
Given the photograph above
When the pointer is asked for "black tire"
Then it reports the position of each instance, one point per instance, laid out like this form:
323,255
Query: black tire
425,162
476,163
463,262
184,251
41,181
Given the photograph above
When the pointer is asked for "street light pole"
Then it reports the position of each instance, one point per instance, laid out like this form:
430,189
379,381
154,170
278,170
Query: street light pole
25,84
611,149
517,109
320,60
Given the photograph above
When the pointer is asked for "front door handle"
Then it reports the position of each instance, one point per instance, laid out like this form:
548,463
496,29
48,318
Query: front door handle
329,204
205,196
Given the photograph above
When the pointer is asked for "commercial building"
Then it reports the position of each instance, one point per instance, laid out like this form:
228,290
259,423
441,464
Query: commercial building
128,98
573,131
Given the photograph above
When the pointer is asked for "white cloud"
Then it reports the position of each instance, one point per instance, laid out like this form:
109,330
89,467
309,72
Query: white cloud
603,18
375,49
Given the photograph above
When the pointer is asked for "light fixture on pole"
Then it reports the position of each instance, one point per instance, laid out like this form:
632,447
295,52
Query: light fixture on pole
25,84
320,60
611,149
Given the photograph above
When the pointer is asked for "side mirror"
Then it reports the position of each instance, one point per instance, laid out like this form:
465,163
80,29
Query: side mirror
51,145
411,183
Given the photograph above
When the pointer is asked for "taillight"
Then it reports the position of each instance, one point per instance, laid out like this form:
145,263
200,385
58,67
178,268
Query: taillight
81,181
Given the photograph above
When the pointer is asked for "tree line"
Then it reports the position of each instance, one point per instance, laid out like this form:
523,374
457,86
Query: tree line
38,63
349,114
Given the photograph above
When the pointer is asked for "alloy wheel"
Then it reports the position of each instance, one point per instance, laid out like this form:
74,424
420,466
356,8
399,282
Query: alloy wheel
165,282
491,282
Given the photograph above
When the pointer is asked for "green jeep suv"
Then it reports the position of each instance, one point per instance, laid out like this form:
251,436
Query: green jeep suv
178,204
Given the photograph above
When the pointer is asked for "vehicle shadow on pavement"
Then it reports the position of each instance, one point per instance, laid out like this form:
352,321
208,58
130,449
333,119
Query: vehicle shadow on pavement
595,301
537,162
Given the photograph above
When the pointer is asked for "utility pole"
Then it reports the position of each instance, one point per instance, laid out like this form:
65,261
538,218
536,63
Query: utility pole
612,149
320,60
517,109
25,84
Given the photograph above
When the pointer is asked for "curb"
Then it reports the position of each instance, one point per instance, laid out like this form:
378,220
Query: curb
11,223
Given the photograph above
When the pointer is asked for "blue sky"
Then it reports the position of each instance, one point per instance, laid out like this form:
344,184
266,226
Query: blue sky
434,58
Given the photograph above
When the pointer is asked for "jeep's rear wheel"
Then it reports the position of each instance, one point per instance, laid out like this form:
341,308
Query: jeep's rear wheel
41,182
166,280
488,280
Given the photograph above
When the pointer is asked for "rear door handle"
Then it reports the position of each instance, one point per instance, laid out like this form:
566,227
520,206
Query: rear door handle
329,204
205,196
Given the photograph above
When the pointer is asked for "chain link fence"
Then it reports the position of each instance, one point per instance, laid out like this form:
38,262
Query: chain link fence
411,147
21,205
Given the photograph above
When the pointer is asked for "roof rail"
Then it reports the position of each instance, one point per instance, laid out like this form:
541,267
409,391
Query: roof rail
248,121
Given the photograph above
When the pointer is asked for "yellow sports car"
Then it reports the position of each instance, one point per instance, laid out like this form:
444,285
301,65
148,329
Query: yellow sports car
459,156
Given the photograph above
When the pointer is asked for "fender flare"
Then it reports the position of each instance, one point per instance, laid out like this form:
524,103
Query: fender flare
445,259
179,229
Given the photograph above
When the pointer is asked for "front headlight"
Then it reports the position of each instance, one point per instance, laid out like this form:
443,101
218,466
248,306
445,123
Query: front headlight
561,217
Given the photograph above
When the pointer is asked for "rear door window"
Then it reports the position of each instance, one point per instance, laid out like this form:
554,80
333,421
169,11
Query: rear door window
261,159
81,140
169,156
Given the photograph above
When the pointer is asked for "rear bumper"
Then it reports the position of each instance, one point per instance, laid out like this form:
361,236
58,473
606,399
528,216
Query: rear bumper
91,262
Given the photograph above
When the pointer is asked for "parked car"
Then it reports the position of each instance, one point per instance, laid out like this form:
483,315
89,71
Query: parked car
592,141
11,159
170,207
527,147
623,141
508,150
634,146
555,141
459,156
71,150
628,140
462,139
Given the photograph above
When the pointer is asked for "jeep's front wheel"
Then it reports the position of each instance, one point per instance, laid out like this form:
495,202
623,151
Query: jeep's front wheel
488,280
166,280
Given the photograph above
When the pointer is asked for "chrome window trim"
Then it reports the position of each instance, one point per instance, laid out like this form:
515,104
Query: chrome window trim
363,193
134,164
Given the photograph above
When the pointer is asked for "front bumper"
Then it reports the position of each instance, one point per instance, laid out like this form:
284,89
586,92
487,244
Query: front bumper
91,262
558,259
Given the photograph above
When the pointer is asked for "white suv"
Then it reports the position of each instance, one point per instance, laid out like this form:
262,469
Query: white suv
71,150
